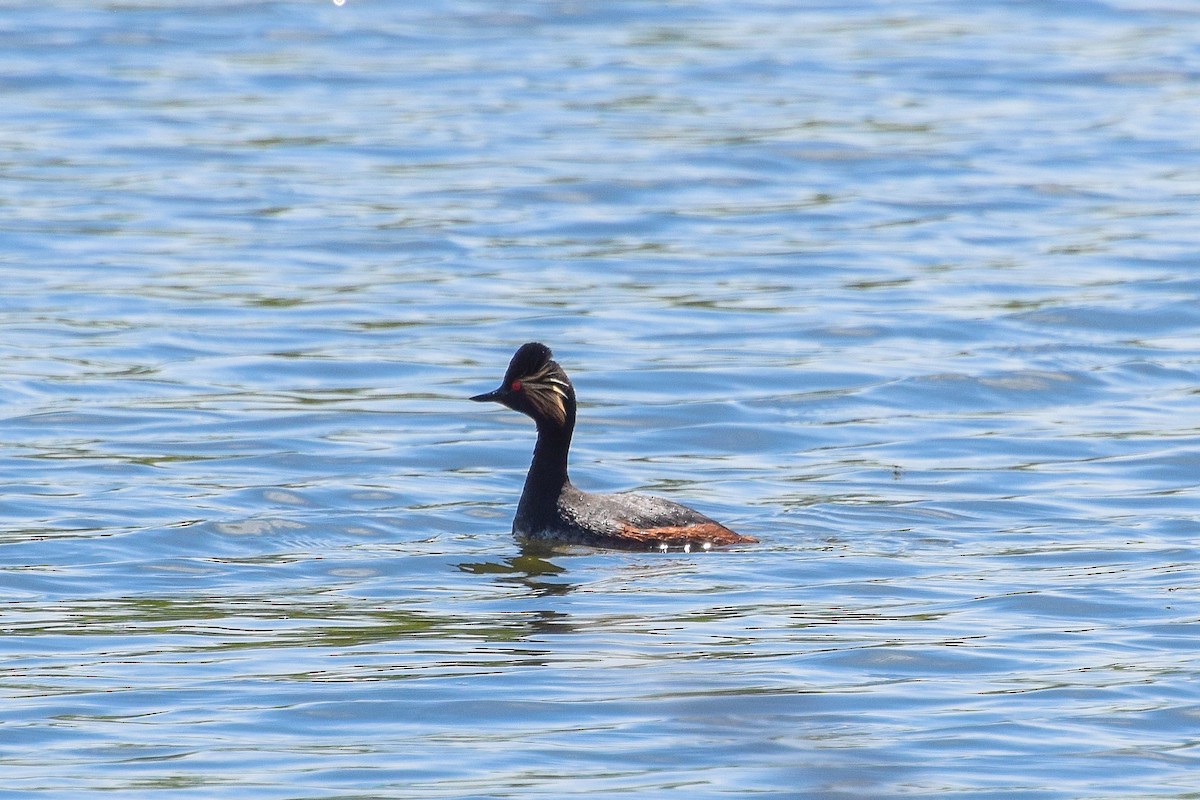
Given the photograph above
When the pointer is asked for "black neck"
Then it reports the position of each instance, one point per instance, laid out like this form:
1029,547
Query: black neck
549,467
548,472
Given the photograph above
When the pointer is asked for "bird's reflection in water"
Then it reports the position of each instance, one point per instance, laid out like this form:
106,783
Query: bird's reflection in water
531,568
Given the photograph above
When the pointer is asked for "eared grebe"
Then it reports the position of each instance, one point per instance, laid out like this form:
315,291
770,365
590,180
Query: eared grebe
551,509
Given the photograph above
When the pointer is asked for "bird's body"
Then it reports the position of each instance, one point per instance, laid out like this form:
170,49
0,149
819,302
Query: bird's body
553,509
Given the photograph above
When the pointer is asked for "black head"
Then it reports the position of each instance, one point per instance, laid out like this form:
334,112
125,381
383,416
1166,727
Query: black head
537,386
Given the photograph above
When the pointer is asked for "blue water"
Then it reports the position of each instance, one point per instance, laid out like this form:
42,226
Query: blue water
909,291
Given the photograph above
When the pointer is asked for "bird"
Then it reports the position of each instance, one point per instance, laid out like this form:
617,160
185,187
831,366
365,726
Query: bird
553,510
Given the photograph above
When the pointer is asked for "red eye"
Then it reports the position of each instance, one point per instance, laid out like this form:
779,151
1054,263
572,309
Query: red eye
516,386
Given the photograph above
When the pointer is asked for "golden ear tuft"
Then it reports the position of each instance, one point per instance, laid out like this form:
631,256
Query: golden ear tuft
547,404
548,390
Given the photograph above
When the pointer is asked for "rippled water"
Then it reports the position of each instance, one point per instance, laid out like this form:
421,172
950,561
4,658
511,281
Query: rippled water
907,290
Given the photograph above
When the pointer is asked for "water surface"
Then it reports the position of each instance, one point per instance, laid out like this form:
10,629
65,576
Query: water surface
909,292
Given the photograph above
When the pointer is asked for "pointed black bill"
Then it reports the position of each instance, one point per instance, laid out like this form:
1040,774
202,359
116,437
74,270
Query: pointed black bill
490,397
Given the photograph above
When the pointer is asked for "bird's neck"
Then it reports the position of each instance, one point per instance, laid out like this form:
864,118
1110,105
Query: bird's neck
549,467
547,474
